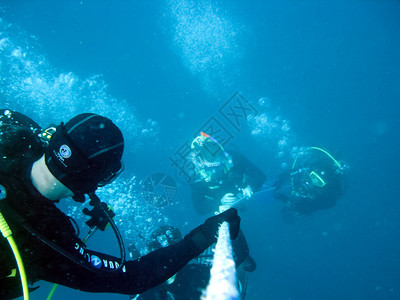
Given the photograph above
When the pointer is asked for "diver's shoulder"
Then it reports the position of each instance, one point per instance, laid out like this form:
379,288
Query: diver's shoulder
10,117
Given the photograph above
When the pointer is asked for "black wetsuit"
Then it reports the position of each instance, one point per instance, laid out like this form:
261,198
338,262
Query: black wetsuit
24,207
206,196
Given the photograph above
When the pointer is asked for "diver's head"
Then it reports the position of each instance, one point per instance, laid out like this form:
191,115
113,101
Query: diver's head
316,172
85,153
210,159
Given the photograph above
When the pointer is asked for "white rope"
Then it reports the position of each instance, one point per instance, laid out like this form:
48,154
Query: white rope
222,285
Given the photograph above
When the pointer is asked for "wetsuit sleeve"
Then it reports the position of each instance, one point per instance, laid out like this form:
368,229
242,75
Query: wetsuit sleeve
133,278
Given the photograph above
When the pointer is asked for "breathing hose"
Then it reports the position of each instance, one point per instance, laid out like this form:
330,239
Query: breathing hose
7,233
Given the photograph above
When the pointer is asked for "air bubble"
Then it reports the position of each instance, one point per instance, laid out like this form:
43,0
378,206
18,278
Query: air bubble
265,102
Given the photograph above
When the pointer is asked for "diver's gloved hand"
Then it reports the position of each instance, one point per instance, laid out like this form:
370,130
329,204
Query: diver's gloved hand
227,201
205,235
228,198
247,192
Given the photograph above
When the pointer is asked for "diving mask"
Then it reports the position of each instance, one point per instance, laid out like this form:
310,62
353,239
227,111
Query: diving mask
316,179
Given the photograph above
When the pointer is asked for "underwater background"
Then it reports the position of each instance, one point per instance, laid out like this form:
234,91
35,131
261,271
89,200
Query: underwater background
312,73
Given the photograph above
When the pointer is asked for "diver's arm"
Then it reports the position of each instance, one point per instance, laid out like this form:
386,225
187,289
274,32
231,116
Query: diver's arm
157,266
142,274
134,278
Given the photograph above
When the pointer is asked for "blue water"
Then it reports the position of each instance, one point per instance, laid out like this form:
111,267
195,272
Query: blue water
317,72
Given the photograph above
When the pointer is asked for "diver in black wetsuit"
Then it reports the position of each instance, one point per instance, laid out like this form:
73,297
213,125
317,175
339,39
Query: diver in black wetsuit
192,279
315,182
38,168
223,179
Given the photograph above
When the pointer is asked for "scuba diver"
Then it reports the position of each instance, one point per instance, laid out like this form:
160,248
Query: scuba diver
192,279
223,179
315,182
40,167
